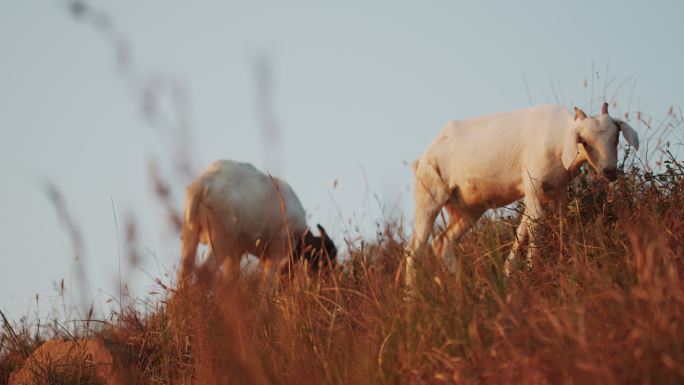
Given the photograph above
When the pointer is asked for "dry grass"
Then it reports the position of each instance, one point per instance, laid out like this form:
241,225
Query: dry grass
604,305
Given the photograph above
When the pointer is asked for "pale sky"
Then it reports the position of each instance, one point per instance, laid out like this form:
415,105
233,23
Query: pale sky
358,90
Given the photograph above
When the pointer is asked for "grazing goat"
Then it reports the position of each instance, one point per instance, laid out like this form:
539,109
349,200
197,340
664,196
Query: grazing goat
236,209
491,161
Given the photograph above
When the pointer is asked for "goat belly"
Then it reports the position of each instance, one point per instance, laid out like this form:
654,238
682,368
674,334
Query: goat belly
489,192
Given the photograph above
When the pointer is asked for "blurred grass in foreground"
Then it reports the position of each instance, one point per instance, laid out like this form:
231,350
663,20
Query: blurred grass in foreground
604,305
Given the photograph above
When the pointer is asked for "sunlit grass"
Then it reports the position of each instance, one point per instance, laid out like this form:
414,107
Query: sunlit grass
604,304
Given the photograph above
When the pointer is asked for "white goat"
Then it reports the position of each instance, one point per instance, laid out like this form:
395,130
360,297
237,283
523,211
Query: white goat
491,161
235,209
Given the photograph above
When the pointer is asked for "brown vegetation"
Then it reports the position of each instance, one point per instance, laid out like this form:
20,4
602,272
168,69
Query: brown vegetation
604,305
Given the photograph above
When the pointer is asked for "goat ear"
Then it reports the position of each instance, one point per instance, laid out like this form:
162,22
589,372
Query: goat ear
579,114
321,230
628,133
570,150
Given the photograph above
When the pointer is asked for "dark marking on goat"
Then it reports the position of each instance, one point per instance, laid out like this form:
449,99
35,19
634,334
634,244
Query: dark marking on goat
317,252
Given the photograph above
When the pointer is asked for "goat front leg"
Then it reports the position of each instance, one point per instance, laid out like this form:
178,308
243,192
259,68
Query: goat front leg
535,213
276,261
520,237
525,232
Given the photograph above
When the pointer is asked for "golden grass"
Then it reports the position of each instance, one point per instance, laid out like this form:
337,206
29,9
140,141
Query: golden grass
604,305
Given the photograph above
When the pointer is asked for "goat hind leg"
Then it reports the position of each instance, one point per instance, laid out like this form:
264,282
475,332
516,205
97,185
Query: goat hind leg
460,221
188,255
430,195
424,224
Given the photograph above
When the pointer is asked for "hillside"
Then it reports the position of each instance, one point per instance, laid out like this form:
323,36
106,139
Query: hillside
604,305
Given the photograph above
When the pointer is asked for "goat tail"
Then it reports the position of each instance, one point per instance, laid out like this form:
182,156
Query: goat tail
414,165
